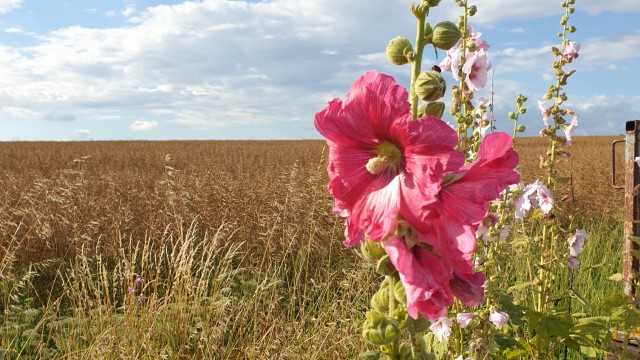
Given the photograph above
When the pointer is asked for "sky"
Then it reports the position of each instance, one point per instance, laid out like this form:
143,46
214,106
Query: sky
220,69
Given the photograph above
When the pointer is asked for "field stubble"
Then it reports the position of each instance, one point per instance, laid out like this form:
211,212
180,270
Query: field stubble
236,249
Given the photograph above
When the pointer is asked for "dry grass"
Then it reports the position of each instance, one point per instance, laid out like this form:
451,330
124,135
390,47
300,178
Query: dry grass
235,241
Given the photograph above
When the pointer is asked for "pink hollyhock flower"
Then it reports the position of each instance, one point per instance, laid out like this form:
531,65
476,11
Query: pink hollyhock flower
499,318
452,62
570,50
574,264
545,201
568,129
490,220
576,242
424,276
450,223
534,194
352,234
441,328
476,67
379,156
483,102
464,319
544,111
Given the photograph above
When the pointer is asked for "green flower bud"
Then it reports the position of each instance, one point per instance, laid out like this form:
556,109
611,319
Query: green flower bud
571,29
428,33
399,292
432,3
399,50
472,10
520,128
430,86
380,300
371,251
385,267
522,111
378,329
511,115
432,109
445,35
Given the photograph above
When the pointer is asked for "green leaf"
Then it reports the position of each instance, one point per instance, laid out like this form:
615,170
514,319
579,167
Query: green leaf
575,294
520,286
635,254
509,346
550,327
515,311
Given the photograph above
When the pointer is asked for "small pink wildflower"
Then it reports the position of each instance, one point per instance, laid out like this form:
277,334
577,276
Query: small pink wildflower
499,318
464,319
568,129
131,289
139,280
576,242
476,68
544,111
574,263
441,328
570,50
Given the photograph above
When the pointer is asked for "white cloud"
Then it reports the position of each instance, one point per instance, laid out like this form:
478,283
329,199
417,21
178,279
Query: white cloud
80,135
143,125
129,10
13,30
8,5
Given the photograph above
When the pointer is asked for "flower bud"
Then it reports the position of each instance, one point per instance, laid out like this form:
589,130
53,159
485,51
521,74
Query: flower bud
432,109
521,128
399,50
430,86
432,3
511,115
445,35
371,251
385,267
380,300
472,10
428,33
378,329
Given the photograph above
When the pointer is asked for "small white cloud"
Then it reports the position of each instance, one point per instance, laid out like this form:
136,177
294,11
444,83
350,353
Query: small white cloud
13,30
143,125
80,135
517,30
110,13
128,11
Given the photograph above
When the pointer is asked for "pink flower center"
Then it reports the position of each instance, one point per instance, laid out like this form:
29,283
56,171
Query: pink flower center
388,156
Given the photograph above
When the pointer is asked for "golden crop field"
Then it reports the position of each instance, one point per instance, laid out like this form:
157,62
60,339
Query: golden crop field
201,223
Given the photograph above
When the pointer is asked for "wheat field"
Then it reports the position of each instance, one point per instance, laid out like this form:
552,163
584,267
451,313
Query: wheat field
208,249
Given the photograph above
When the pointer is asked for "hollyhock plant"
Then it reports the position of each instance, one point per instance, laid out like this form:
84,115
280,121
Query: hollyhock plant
379,156
574,263
545,112
534,194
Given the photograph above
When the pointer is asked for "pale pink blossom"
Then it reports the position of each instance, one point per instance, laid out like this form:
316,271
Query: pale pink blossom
475,39
576,242
544,111
568,129
452,62
499,318
570,50
545,201
476,67
441,328
490,220
379,155
464,319
574,263
483,102
534,194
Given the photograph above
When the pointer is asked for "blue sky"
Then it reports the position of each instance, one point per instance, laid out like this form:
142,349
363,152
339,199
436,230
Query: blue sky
218,69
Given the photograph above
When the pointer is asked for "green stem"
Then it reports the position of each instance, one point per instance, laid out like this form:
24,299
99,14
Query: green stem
416,64
394,351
